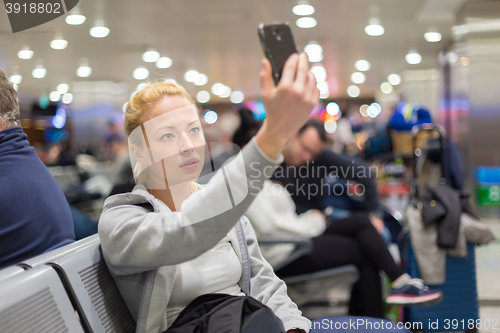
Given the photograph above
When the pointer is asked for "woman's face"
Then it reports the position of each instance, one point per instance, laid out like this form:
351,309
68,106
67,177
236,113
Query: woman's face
175,145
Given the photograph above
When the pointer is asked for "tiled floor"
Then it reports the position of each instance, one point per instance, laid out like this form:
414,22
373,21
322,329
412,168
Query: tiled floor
488,284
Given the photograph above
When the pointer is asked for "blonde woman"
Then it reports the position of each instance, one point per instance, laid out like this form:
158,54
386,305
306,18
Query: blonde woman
171,240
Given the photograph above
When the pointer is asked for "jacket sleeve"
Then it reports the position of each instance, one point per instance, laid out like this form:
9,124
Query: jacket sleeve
268,288
135,240
353,169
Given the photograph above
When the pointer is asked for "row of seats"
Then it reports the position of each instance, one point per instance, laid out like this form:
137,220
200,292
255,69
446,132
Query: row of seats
66,290
71,290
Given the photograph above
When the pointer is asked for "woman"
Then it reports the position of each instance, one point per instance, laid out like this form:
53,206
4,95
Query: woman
169,240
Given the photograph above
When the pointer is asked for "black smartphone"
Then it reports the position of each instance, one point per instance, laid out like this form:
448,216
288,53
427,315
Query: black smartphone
278,45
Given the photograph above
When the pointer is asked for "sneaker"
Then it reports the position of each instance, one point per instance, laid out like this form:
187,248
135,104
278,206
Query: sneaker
414,292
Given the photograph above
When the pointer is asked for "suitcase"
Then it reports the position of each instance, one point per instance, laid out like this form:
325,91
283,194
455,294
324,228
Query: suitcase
459,309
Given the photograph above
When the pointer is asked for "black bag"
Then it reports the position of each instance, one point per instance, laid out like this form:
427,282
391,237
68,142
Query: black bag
222,313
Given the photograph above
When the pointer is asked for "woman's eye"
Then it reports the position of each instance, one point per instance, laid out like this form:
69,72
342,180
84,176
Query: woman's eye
195,130
168,136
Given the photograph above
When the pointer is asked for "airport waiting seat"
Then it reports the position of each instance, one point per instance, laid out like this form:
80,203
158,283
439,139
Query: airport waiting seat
89,285
35,301
9,272
306,287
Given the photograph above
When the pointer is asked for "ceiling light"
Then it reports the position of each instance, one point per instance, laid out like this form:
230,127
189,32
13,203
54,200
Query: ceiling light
16,78
15,86
314,52
332,108
353,91
319,72
433,36
322,86
373,111
140,73
306,22
394,79
164,62
63,88
84,70
374,28
203,96
377,107
55,96
330,126
58,43
363,109
324,90
237,97
171,81
67,98
75,19
362,65
303,9
413,58
99,30
141,86
386,88
210,117
150,56
226,92
25,53
217,89
358,77
191,75
201,80
39,72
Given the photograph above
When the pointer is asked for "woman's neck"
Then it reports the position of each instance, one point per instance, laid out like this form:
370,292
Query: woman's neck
173,196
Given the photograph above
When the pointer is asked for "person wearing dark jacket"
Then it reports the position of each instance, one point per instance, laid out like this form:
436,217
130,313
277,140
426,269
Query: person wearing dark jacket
34,214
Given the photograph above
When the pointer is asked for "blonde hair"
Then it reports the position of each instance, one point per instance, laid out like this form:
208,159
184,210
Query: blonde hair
146,98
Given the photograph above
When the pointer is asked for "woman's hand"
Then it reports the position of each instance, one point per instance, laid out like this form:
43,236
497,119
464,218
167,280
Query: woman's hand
288,105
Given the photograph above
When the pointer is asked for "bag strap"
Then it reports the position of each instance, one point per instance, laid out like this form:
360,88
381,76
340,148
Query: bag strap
419,157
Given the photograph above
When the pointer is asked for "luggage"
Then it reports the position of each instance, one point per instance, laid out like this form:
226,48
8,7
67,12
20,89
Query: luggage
459,309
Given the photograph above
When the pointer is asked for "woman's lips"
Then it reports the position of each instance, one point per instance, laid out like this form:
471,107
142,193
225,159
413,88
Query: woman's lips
190,164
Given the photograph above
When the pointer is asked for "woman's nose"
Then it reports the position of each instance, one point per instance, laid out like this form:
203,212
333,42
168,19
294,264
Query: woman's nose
186,143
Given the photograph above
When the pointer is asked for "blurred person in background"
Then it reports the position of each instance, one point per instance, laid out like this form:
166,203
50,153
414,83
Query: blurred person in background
353,240
35,216
61,154
343,138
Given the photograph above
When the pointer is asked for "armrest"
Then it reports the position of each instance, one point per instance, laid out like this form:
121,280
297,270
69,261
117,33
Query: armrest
302,246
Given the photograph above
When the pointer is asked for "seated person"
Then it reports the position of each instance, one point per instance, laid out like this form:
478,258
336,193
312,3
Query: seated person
353,240
35,216
171,240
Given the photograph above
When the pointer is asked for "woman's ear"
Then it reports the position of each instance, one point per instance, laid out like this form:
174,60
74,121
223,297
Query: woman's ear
140,155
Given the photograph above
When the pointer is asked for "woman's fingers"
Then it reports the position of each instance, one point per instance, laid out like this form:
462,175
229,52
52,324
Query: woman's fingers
302,72
289,70
312,92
